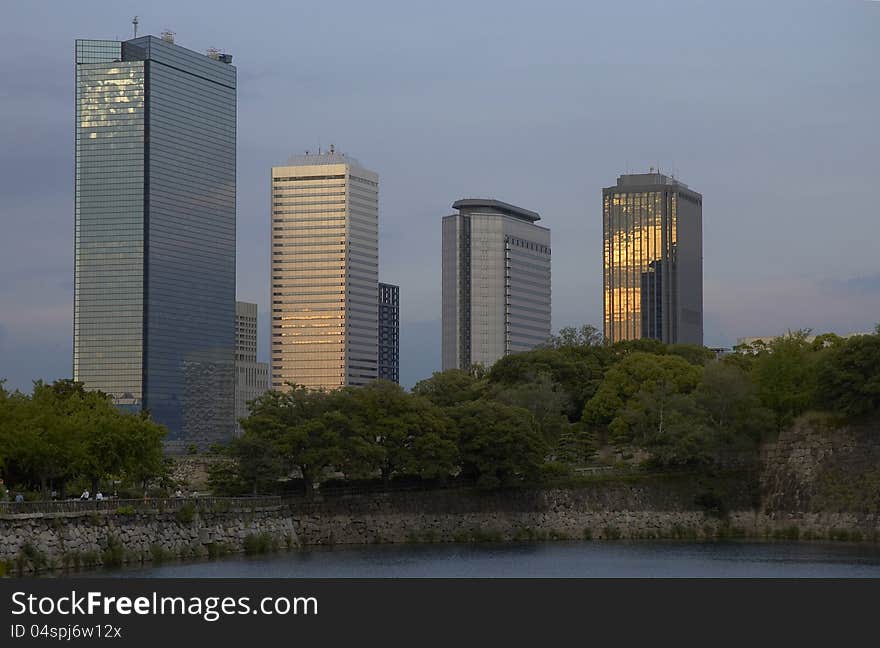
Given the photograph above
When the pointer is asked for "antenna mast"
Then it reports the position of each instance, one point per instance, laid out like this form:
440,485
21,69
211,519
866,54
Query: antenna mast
135,23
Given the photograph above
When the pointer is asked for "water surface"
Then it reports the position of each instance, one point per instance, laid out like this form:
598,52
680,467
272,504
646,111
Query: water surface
548,560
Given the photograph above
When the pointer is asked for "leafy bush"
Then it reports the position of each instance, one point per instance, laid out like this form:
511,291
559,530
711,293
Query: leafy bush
611,533
260,543
114,552
186,513
29,554
160,554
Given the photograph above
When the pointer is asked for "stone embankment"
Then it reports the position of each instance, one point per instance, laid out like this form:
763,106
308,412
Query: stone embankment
83,535
608,511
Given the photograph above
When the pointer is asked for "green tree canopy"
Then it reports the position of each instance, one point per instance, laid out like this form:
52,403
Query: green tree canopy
583,336
848,381
450,387
785,375
638,371
302,426
403,433
575,370
500,445
62,431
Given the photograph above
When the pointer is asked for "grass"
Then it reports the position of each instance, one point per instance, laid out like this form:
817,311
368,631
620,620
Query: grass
218,550
611,533
160,554
787,533
260,543
114,553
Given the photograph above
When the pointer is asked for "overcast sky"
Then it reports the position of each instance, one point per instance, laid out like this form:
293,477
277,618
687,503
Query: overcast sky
769,109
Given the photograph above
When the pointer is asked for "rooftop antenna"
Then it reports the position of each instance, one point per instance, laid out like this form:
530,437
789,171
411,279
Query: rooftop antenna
134,22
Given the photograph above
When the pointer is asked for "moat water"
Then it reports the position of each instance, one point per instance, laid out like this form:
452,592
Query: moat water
548,560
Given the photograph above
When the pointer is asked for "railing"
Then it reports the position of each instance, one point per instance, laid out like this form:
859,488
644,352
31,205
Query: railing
113,505
597,470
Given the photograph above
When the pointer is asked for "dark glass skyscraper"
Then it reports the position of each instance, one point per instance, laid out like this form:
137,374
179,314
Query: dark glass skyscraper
389,332
154,297
653,260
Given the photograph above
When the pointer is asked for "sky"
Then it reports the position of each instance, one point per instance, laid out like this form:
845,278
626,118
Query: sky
769,109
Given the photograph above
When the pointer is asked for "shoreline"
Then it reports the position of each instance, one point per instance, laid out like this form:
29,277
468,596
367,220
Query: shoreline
212,528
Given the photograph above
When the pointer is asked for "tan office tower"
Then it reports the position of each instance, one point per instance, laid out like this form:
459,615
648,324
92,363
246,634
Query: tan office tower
325,272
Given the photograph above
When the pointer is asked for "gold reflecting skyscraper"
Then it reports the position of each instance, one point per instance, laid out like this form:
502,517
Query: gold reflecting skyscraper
652,230
325,272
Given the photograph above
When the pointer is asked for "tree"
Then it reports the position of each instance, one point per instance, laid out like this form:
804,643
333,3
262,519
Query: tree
641,345
576,445
576,371
499,444
544,399
785,375
450,387
728,401
693,353
655,411
636,372
257,462
848,377
61,431
570,336
402,433
302,429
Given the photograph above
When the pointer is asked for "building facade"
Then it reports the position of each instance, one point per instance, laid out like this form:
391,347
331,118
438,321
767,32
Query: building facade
325,272
251,377
154,255
653,260
389,332
496,282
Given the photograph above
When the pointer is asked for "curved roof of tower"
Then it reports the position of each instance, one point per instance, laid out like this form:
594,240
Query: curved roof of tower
471,204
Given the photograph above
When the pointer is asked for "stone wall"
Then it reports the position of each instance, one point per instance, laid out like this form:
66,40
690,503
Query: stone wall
820,465
610,511
83,540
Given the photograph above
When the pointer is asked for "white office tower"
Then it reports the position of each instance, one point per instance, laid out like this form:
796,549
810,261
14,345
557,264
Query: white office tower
496,282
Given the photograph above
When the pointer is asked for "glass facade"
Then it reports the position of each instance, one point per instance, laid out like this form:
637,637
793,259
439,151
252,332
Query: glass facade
496,283
109,222
389,332
325,272
652,252
154,313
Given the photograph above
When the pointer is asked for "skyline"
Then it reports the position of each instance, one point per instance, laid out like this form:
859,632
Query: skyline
775,127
